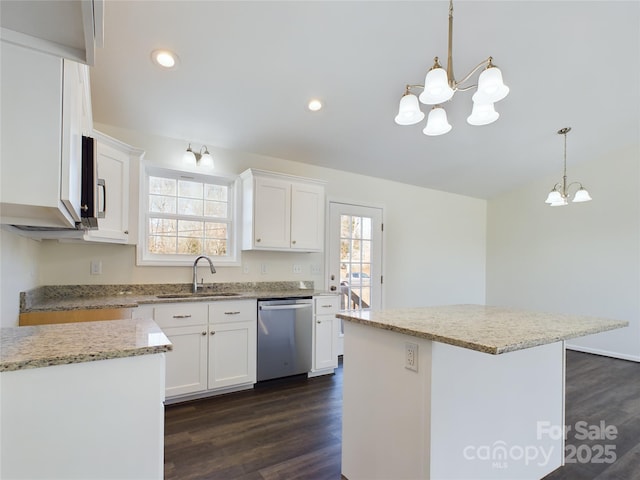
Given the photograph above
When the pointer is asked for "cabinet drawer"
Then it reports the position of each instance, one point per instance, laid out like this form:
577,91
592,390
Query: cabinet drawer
326,304
233,311
180,314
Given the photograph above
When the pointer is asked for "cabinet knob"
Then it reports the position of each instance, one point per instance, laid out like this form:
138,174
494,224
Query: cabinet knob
333,288
293,242
258,240
126,232
318,321
204,333
212,333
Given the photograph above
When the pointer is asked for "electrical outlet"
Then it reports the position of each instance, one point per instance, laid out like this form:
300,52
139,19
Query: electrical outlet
96,267
411,356
297,268
315,269
245,268
263,268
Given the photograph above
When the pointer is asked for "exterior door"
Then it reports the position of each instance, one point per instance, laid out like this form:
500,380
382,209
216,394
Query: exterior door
355,257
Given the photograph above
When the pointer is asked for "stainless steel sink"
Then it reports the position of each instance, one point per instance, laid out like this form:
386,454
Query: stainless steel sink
198,295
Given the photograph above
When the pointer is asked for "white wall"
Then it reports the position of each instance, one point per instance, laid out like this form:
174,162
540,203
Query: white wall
581,258
18,272
434,242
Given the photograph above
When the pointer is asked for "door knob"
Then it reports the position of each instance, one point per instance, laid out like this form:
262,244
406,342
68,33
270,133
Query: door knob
333,288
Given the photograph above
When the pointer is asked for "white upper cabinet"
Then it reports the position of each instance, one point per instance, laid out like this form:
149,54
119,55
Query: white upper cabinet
43,98
113,162
282,212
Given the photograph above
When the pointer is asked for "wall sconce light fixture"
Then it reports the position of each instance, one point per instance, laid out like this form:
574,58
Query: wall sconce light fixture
201,159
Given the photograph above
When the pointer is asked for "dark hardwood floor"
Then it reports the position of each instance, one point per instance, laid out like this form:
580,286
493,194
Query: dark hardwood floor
290,429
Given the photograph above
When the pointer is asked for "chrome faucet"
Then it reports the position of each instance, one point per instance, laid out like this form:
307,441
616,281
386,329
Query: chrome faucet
195,269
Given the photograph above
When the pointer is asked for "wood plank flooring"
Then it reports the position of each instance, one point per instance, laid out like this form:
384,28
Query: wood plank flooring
291,429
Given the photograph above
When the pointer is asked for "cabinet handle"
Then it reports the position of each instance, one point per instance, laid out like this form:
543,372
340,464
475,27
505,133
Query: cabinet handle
204,333
212,333
231,313
182,316
258,240
102,184
327,306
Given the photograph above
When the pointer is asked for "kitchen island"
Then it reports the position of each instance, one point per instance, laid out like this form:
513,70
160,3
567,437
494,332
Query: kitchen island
456,392
82,400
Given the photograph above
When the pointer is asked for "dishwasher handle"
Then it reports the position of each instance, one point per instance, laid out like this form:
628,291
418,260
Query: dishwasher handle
291,306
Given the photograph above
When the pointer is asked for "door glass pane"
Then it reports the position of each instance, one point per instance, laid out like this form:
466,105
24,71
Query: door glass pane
366,228
355,261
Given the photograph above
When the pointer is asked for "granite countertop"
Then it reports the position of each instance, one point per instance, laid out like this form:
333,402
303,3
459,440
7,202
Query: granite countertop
86,297
47,345
487,329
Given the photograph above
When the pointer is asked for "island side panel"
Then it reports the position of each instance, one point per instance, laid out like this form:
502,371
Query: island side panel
497,416
385,406
98,420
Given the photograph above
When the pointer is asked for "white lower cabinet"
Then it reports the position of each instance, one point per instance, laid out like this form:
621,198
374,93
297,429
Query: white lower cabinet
232,354
325,333
187,362
214,345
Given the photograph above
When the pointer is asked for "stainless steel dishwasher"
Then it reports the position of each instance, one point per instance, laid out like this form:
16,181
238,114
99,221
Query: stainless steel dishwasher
284,337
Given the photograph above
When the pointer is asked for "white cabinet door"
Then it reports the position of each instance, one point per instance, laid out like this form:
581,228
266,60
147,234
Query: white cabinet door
282,212
272,213
307,217
114,164
185,324
232,354
113,196
324,351
187,362
72,119
325,332
31,146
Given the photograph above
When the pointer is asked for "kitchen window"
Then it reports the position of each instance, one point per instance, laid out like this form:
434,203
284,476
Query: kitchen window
186,214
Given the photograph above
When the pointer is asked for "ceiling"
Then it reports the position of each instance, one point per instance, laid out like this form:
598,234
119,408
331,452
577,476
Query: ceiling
248,69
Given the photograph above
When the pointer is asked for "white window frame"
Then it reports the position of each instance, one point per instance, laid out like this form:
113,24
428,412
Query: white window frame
146,258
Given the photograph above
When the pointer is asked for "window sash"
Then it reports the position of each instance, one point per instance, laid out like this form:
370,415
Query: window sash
212,232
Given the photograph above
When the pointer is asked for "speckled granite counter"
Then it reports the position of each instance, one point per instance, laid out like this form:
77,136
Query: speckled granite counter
47,345
486,329
81,297
430,409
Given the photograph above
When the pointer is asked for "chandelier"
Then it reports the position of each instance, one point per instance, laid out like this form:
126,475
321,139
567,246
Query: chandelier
439,87
558,195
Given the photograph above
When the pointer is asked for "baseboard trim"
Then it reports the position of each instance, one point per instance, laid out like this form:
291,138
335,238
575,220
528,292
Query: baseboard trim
605,353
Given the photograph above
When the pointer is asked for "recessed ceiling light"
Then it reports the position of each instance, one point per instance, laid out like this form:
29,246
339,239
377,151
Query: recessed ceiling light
314,105
164,58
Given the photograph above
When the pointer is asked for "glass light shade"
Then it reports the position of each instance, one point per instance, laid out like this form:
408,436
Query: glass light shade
482,114
189,158
581,196
409,112
206,160
436,87
491,88
437,123
560,203
554,197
